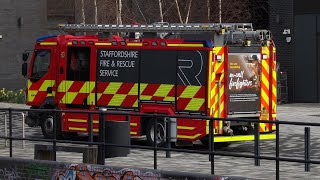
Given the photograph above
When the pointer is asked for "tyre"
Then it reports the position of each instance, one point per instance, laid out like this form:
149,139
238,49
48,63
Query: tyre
160,134
47,126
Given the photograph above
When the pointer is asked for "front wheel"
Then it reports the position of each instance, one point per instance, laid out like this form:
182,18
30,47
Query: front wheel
160,134
47,128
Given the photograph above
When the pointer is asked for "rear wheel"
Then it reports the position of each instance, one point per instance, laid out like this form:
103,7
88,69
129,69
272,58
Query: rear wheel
160,134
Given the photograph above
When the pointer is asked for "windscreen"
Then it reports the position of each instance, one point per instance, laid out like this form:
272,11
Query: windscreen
243,82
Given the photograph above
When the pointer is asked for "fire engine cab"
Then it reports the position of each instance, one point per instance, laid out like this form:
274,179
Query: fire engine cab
216,70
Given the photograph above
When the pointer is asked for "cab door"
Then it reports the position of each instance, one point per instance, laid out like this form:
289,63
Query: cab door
77,84
41,75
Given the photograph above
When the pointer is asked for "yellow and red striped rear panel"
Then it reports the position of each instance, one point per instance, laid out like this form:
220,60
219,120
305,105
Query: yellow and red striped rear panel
268,88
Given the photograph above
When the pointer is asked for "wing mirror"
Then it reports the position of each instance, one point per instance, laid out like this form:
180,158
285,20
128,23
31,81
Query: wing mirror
25,56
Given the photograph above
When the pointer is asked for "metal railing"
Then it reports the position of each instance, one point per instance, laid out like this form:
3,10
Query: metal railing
211,151
23,127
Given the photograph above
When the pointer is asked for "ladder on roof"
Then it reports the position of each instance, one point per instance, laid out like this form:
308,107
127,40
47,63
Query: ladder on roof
157,27
232,32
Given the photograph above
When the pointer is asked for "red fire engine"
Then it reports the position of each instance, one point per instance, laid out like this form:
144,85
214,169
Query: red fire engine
217,70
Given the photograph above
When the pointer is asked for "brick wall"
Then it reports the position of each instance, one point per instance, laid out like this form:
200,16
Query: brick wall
16,39
14,168
280,18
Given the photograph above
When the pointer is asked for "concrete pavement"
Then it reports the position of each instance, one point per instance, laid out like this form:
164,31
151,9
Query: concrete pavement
291,145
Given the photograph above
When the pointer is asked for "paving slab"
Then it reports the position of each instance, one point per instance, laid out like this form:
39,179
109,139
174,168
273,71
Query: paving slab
291,145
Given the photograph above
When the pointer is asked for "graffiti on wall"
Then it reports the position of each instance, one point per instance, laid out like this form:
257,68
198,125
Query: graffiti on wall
8,174
90,172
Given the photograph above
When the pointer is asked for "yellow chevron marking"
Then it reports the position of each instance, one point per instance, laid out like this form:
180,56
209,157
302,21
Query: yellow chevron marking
265,96
70,97
66,85
220,126
112,88
117,100
46,84
31,95
221,91
91,98
266,66
274,116
185,127
243,138
265,81
135,104
274,89
195,104
188,137
163,90
87,87
190,92
142,87
169,98
133,133
134,90
217,49
221,108
213,91
265,50
263,126
99,96
210,78
145,97
29,83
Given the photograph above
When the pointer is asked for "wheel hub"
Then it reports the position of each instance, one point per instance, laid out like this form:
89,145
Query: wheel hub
48,125
159,134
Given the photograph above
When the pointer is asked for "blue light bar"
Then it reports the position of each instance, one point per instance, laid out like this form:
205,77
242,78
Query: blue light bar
43,38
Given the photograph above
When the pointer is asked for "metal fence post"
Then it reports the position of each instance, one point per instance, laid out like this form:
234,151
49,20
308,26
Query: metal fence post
307,148
168,136
23,129
54,135
155,128
211,145
5,130
257,143
10,130
101,146
277,151
90,130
